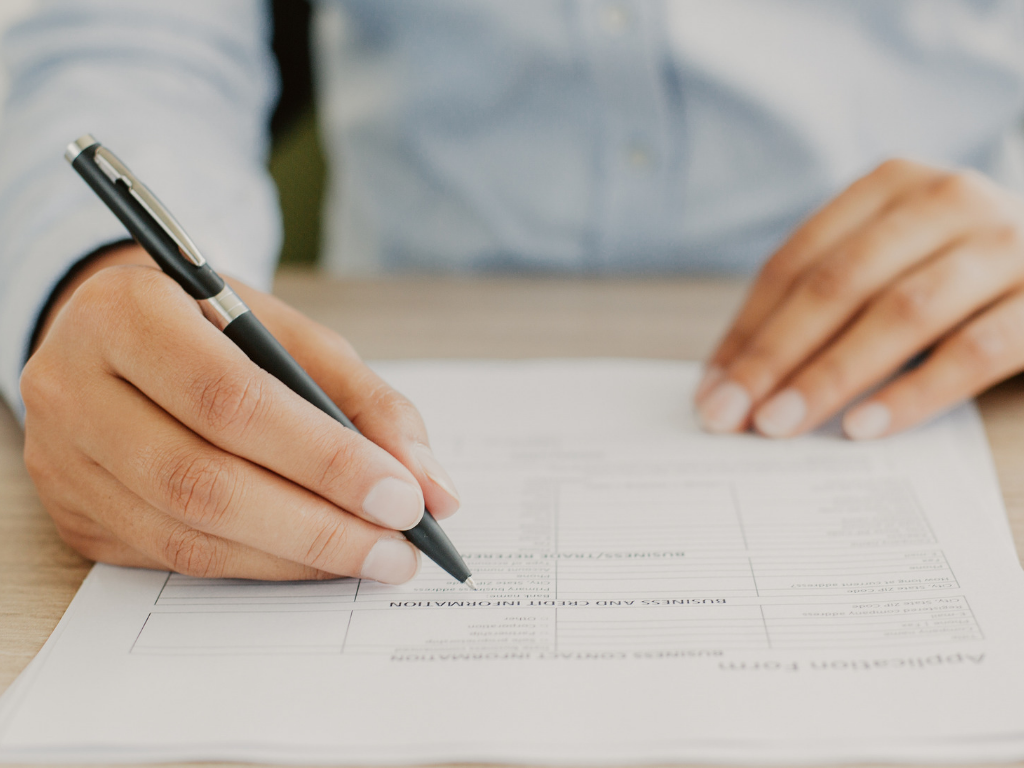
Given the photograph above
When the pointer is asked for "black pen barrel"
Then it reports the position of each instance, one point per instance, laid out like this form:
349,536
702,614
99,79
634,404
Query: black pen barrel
199,281
429,537
253,338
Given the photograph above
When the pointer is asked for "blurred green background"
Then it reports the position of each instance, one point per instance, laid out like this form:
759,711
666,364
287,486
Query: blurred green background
297,165
296,160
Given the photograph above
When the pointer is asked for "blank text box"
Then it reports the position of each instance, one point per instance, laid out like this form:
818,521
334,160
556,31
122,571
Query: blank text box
248,632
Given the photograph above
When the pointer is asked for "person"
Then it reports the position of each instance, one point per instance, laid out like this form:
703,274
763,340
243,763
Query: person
603,136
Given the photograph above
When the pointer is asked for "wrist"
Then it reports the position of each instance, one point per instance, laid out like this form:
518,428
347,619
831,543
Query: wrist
118,254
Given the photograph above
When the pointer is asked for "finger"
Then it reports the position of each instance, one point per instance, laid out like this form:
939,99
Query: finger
828,297
147,538
861,202
181,362
985,351
387,418
227,497
382,414
918,310
129,532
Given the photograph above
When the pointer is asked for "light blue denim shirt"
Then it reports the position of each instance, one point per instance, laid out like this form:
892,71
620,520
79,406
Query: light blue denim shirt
579,136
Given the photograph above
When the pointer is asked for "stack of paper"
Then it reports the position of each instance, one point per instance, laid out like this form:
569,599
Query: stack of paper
648,593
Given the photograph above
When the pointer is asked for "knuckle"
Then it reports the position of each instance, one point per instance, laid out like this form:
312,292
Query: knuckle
41,383
982,346
779,271
895,168
377,392
961,187
199,489
328,547
403,413
858,257
910,303
105,285
111,291
830,282
1008,236
388,405
138,286
338,463
392,404
230,402
193,553
832,376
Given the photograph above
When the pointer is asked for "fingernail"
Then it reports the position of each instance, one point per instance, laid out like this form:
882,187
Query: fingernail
391,561
866,422
394,504
725,408
781,415
712,375
432,468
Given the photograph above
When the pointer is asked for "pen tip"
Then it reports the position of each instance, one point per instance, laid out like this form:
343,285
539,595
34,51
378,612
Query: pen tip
470,583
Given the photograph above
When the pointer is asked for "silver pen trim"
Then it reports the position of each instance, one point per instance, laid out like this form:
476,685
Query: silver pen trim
116,170
223,308
76,147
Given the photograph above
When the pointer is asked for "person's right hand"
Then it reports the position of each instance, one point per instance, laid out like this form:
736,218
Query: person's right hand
155,442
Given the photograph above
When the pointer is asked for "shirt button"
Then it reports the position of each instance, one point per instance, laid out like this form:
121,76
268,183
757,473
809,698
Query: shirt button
616,18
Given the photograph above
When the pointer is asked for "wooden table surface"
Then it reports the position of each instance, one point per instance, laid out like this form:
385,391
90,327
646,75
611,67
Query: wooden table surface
439,317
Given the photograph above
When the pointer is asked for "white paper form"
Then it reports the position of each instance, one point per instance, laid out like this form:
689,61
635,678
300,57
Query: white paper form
648,593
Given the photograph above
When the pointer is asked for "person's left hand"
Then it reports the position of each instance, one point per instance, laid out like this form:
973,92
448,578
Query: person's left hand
908,259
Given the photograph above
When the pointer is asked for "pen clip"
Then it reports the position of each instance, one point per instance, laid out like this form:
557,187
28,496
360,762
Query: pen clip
116,171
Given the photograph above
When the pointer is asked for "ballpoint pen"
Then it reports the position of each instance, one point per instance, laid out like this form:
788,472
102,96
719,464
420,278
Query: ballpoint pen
153,227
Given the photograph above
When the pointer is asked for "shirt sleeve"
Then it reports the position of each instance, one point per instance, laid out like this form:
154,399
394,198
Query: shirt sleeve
181,91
